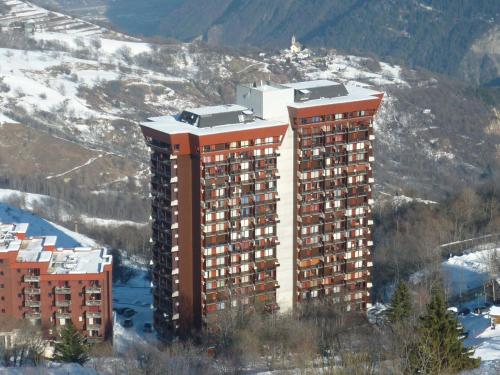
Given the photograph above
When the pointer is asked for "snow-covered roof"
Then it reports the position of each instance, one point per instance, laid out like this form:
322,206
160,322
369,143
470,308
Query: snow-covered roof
79,260
267,87
355,94
212,110
310,84
170,125
495,310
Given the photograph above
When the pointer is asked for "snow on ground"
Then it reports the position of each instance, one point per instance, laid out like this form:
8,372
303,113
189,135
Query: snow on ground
482,337
95,221
51,368
466,272
42,227
348,68
30,200
135,294
5,120
35,87
400,200
88,162
107,46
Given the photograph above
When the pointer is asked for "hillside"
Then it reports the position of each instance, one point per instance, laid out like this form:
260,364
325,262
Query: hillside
77,100
459,38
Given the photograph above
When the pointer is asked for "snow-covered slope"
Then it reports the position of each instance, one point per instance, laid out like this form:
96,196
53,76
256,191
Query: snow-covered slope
41,227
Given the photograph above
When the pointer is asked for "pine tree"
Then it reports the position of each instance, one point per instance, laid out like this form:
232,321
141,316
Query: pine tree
439,348
400,308
72,346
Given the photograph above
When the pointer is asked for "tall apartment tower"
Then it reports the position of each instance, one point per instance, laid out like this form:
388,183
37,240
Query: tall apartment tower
267,201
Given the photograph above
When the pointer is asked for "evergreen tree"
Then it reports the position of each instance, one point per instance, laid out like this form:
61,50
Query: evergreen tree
439,348
400,308
71,347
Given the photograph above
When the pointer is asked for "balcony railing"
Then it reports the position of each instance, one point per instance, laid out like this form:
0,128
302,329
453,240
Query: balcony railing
62,290
63,315
65,303
93,289
93,315
32,291
31,279
93,302
32,303
32,315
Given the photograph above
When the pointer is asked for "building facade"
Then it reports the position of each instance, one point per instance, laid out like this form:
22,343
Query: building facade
264,202
52,286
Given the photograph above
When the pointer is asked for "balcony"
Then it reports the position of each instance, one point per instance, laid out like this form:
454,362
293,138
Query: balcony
32,303
32,315
93,327
63,303
32,291
93,289
93,302
31,279
93,315
62,290
63,315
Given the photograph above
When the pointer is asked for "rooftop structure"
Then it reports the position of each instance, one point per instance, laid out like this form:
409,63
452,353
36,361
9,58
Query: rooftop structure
52,286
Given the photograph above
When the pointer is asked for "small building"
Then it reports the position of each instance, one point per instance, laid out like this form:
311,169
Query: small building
495,314
53,287
295,47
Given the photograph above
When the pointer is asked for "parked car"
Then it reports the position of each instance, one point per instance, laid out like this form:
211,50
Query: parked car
119,310
128,312
464,311
127,323
148,327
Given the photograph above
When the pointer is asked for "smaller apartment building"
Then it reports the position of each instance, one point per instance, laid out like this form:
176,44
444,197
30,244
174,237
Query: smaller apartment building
54,286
